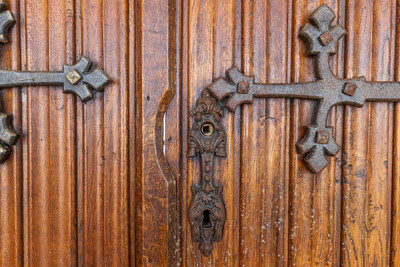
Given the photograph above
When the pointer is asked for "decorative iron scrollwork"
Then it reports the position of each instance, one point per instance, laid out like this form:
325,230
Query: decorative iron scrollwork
79,79
207,212
321,39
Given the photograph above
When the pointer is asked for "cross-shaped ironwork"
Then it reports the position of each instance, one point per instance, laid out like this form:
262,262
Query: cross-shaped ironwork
321,39
79,79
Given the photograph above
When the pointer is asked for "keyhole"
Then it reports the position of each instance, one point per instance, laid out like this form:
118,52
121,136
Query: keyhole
207,129
206,219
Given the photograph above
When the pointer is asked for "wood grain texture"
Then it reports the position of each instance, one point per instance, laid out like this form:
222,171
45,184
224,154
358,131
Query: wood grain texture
287,215
156,201
68,194
107,183
223,54
11,173
200,20
274,224
395,214
253,149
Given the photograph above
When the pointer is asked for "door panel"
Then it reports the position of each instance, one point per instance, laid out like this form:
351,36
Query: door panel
108,183
278,212
65,191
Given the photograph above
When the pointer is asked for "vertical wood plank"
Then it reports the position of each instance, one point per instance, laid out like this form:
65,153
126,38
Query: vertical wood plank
355,143
274,223
223,52
326,210
80,144
236,138
11,242
132,108
116,132
395,226
169,113
301,181
37,153
93,143
155,187
336,179
187,247
200,70
253,171
380,136
62,168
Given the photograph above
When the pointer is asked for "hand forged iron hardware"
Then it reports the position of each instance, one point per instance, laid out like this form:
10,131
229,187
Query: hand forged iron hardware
206,210
78,79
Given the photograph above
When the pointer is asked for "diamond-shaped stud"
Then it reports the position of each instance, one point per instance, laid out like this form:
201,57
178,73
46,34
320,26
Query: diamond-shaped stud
349,89
243,87
322,137
73,76
326,38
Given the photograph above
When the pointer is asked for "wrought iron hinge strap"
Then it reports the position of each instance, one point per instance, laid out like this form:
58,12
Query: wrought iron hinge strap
318,143
79,79
329,90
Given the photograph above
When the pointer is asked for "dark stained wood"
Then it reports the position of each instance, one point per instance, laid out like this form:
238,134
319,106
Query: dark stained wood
253,156
92,121
116,107
395,214
156,202
132,20
380,137
223,54
274,185
11,230
199,73
62,115
301,182
274,225
107,183
368,154
44,162
355,167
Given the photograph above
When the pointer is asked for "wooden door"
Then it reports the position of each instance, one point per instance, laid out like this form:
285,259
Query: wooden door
108,183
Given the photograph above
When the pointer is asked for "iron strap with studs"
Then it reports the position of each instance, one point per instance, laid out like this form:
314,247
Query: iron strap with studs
79,79
207,211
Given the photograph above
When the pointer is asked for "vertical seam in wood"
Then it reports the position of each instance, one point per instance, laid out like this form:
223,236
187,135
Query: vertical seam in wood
288,129
103,148
370,108
126,132
390,134
181,131
395,144
129,98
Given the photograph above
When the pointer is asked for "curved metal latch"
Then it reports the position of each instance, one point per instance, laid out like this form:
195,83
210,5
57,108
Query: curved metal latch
318,143
78,79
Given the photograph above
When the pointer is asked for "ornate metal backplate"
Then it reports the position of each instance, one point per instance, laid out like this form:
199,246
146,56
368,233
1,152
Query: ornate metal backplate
321,40
207,137
78,79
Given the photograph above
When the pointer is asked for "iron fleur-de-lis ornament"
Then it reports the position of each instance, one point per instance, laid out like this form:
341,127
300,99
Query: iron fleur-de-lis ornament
321,39
78,79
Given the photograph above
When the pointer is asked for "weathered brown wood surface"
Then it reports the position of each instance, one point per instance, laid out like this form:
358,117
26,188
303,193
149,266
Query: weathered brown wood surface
279,213
89,185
